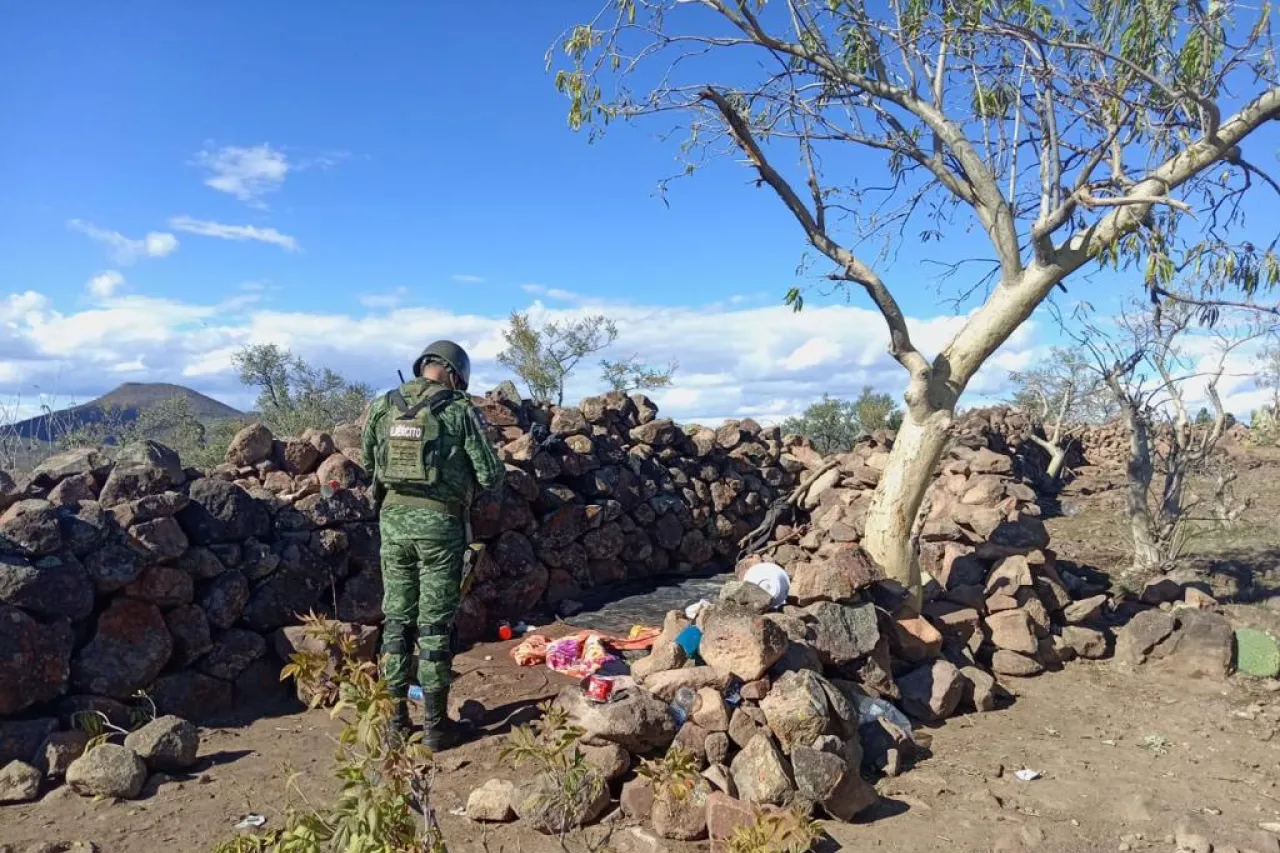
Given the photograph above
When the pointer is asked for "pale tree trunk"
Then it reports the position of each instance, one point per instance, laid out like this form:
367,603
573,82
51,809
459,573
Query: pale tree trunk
919,444
1147,553
1057,456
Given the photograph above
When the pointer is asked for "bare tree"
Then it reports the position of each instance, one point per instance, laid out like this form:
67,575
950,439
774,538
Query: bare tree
1150,359
1070,134
1062,392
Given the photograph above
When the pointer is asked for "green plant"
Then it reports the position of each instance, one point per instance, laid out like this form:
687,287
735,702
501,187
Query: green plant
567,786
676,773
776,832
544,357
833,424
293,395
384,804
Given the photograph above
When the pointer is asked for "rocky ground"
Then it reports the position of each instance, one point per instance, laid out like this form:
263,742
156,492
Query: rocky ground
1129,759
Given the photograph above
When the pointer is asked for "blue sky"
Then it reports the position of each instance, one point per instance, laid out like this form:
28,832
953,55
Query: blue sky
183,179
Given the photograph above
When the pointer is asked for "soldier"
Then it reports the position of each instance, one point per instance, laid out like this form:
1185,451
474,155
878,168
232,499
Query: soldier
430,458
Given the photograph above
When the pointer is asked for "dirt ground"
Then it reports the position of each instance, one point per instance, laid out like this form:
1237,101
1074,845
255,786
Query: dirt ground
1124,755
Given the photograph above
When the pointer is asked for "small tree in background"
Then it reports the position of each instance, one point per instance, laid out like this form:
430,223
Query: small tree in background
1268,375
876,410
1062,391
833,424
294,396
632,374
1146,361
544,357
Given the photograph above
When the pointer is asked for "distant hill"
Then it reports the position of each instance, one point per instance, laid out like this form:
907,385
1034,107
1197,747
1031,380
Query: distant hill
128,399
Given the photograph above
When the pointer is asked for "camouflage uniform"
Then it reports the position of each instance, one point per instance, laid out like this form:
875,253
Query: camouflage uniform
423,546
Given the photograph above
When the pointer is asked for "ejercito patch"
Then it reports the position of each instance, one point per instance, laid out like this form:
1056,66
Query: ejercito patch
413,432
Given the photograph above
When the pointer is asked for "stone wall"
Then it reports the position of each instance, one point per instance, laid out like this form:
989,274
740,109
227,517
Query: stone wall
122,571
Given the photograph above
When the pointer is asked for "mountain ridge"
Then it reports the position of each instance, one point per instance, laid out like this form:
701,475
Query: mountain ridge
129,399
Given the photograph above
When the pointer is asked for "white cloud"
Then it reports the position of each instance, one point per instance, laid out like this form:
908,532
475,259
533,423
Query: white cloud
385,300
812,352
155,244
104,285
468,279
761,362
246,173
233,232
554,293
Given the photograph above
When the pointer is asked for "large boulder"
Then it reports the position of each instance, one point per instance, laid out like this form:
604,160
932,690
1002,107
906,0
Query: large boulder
761,773
143,468
130,646
19,782
832,781
30,528
159,540
232,654
1142,634
51,587
797,709
251,445
77,462
35,660
1202,646
844,633
838,578
222,512
491,802
224,598
637,721
741,642
166,743
681,816
58,751
339,469
113,567
932,691
109,770
164,586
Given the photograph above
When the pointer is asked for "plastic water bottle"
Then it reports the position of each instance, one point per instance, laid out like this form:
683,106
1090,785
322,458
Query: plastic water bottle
415,693
683,704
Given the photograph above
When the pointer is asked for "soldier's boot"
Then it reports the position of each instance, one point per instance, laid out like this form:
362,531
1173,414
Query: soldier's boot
438,731
401,723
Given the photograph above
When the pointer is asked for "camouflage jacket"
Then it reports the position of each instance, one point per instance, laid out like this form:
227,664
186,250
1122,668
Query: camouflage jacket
469,462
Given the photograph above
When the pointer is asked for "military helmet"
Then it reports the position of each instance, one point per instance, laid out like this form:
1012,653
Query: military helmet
450,354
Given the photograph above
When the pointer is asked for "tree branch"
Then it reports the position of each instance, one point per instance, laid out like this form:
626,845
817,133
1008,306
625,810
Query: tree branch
853,269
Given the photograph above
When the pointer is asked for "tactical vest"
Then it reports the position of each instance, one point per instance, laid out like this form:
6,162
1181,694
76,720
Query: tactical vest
411,455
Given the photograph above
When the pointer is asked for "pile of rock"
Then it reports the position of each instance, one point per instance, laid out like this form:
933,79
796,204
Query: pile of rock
797,707
93,767
993,592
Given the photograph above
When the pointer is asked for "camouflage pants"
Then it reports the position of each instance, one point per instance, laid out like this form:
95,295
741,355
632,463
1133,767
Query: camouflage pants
421,571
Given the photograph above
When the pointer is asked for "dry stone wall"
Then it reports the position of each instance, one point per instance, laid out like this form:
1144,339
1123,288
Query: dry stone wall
123,571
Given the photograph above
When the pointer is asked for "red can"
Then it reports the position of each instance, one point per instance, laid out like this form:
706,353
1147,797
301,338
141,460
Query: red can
504,631
599,689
